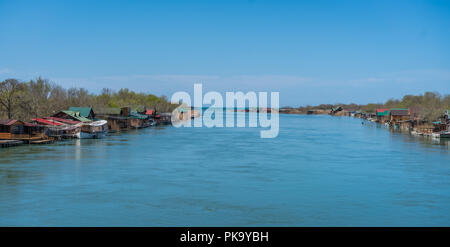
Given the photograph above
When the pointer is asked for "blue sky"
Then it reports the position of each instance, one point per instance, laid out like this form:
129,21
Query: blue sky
312,52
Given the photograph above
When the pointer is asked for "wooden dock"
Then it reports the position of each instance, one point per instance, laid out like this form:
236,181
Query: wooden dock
44,141
10,143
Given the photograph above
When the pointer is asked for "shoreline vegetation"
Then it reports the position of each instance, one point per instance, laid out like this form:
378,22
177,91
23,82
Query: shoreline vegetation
429,106
40,97
426,114
40,112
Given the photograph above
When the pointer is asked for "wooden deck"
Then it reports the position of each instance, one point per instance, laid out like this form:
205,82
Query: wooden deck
45,141
10,143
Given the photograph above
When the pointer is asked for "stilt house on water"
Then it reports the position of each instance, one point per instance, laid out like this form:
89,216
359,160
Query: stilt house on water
383,115
399,115
17,130
117,117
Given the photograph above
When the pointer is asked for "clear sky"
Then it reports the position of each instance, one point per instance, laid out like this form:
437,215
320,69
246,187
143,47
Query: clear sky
311,52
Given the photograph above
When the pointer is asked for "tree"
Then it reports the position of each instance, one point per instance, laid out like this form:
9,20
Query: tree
36,102
11,95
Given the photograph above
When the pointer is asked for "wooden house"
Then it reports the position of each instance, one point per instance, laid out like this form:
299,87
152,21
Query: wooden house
59,127
383,115
126,111
424,128
17,130
138,120
117,123
103,113
399,115
164,118
116,117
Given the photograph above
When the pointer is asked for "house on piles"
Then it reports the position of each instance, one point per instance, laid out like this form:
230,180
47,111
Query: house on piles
401,117
383,115
117,117
59,127
17,130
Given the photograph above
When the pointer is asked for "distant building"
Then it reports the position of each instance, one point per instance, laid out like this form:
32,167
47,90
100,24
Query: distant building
103,113
399,115
383,115
86,112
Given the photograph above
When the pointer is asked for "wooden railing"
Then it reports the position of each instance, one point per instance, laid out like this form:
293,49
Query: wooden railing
34,136
5,135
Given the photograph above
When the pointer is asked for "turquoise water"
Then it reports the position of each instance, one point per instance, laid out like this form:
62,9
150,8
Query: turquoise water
319,171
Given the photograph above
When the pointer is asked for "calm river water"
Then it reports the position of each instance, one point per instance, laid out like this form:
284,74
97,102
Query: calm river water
319,171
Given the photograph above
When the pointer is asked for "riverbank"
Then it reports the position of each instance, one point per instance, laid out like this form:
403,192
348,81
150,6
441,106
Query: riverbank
84,123
408,119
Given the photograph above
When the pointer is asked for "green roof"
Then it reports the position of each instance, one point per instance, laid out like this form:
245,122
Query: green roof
382,114
84,111
77,116
138,116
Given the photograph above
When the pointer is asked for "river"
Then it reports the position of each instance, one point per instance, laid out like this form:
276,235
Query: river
319,171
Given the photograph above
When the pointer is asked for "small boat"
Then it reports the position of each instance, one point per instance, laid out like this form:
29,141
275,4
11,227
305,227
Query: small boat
73,131
152,122
445,135
435,135
416,133
94,130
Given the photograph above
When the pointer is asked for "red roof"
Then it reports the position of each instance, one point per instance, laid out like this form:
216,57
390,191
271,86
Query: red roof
149,112
41,120
7,121
29,124
383,110
62,120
